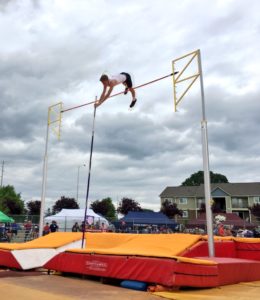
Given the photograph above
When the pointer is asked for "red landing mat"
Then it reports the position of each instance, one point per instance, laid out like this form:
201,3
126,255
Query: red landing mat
235,270
248,250
168,272
7,259
222,249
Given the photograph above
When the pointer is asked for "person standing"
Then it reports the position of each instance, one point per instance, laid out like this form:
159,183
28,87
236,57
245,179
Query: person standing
14,229
75,227
54,227
28,230
46,229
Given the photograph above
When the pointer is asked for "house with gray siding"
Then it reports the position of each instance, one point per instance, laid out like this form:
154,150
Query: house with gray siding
228,198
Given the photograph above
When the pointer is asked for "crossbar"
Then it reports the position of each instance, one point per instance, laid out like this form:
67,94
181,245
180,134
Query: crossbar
120,93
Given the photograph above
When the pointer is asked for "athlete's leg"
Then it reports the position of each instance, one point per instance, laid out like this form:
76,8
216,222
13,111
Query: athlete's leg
132,91
126,88
129,87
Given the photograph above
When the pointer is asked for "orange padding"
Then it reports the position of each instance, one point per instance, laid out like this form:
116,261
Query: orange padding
52,240
195,261
247,240
219,238
152,245
231,238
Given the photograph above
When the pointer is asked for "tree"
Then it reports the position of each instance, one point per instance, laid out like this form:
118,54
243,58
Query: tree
170,209
34,207
198,178
255,210
126,205
105,207
10,201
64,202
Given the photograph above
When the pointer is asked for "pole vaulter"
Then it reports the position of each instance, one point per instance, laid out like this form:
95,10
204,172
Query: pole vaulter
120,93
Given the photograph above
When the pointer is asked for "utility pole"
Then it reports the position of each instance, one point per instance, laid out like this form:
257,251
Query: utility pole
2,173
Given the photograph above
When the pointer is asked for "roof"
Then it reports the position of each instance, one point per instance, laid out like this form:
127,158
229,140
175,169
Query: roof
5,219
147,217
74,215
232,189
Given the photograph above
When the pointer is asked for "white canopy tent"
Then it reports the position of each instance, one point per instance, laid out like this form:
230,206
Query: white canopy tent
66,218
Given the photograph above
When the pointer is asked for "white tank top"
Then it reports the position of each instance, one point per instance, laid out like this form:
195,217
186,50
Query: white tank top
119,78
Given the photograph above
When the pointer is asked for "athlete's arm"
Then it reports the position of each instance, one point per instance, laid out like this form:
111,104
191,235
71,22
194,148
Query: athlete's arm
105,95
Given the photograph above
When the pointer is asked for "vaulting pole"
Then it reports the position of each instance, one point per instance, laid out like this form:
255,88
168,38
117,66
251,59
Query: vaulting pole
89,174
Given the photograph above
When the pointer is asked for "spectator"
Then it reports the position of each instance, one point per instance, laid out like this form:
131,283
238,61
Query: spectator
240,233
2,228
103,227
256,233
8,231
3,235
83,226
54,227
97,225
35,231
247,233
215,230
28,230
14,228
75,227
46,229
221,231
228,232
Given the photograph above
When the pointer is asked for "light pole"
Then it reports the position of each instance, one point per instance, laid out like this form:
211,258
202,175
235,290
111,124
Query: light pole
2,173
77,197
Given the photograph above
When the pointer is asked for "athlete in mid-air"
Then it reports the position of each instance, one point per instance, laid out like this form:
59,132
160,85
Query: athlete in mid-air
109,82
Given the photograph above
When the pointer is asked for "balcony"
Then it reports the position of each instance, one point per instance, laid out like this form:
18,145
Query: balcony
241,202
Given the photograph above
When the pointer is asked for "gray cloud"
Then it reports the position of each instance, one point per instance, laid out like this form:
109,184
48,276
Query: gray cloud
56,51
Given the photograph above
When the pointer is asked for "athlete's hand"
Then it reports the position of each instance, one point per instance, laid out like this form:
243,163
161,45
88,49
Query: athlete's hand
97,103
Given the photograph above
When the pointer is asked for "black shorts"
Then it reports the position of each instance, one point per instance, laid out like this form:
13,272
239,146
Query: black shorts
128,81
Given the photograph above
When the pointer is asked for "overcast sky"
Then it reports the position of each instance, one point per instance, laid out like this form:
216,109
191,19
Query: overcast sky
54,51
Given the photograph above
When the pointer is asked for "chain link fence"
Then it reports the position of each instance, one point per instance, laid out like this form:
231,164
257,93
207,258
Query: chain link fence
20,232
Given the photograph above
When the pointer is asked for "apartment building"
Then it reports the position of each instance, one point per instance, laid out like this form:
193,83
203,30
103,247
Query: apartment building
227,197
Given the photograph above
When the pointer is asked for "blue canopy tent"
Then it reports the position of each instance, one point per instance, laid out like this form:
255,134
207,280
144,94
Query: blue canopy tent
145,219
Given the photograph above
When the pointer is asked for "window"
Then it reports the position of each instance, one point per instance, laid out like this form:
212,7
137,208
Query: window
185,214
169,200
200,203
239,202
257,200
183,201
